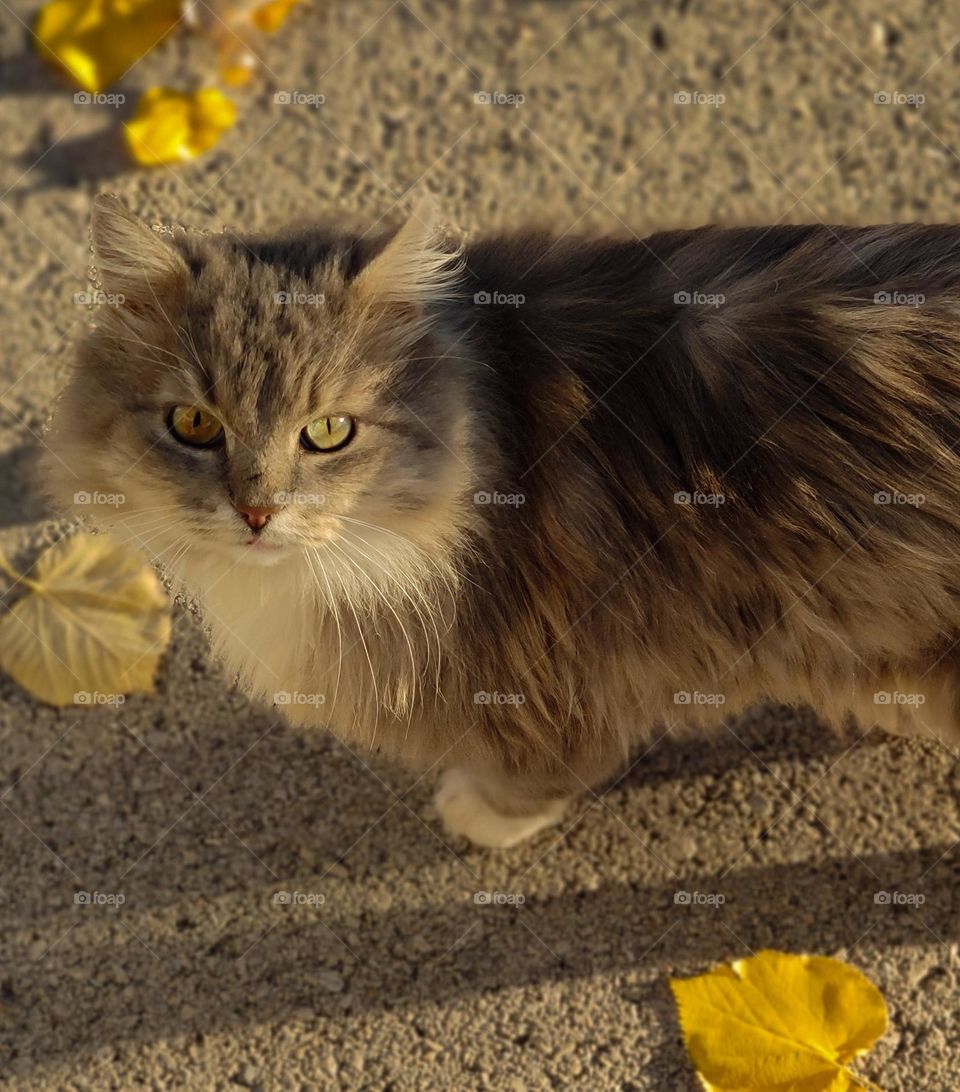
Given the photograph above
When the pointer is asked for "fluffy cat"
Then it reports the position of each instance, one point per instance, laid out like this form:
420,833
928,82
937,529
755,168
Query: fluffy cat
507,507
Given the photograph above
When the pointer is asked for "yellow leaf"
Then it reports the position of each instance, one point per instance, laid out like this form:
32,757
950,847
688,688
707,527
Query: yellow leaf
92,625
97,41
779,1023
269,17
174,126
236,74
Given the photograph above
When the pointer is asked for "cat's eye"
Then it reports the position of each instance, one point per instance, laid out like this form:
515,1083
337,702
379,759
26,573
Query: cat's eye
327,433
193,425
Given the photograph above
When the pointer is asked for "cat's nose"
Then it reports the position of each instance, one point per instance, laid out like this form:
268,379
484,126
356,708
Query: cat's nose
255,517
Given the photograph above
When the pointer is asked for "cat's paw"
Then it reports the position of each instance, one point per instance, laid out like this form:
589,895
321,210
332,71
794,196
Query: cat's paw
465,813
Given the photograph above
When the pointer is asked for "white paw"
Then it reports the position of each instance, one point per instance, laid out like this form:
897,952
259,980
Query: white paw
465,813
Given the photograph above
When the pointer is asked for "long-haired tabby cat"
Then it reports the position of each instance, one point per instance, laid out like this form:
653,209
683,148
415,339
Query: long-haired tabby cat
505,508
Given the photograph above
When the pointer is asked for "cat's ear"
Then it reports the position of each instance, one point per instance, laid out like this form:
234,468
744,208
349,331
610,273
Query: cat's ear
133,263
414,268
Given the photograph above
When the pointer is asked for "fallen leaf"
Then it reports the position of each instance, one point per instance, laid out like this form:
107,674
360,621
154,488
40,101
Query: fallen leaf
174,126
270,17
97,41
94,622
778,1022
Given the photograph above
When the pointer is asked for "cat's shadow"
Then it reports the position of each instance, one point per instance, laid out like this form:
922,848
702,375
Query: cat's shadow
21,498
380,913
54,158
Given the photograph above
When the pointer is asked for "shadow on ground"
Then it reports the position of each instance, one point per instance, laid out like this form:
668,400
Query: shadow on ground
198,826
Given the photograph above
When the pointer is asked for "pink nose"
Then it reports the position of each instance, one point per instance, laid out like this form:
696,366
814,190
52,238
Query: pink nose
256,518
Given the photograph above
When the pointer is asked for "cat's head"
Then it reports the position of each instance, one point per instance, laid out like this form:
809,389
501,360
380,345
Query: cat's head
248,401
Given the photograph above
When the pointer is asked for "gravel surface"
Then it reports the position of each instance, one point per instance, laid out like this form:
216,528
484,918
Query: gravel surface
381,969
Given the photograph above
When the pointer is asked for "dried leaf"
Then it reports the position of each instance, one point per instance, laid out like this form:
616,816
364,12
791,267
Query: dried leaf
270,17
92,625
97,41
779,1022
174,126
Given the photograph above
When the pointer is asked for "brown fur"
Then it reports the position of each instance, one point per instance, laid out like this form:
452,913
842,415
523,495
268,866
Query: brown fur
797,398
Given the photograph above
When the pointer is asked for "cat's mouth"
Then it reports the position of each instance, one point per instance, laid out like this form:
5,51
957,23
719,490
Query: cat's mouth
261,545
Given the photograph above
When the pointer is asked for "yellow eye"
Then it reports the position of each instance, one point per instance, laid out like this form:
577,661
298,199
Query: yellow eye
327,433
192,425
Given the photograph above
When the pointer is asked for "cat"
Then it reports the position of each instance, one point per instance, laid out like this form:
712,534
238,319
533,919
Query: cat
514,506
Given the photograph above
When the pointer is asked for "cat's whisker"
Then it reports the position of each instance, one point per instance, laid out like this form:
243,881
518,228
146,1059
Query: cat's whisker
373,674
405,592
385,599
447,577
312,555
141,344
382,596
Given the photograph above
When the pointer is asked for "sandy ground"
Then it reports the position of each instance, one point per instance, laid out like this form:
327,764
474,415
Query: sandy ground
197,807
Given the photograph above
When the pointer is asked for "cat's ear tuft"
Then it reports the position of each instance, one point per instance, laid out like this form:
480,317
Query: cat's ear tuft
415,268
133,263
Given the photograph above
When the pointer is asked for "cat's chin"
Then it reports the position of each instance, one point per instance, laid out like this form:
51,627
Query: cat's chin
258,553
